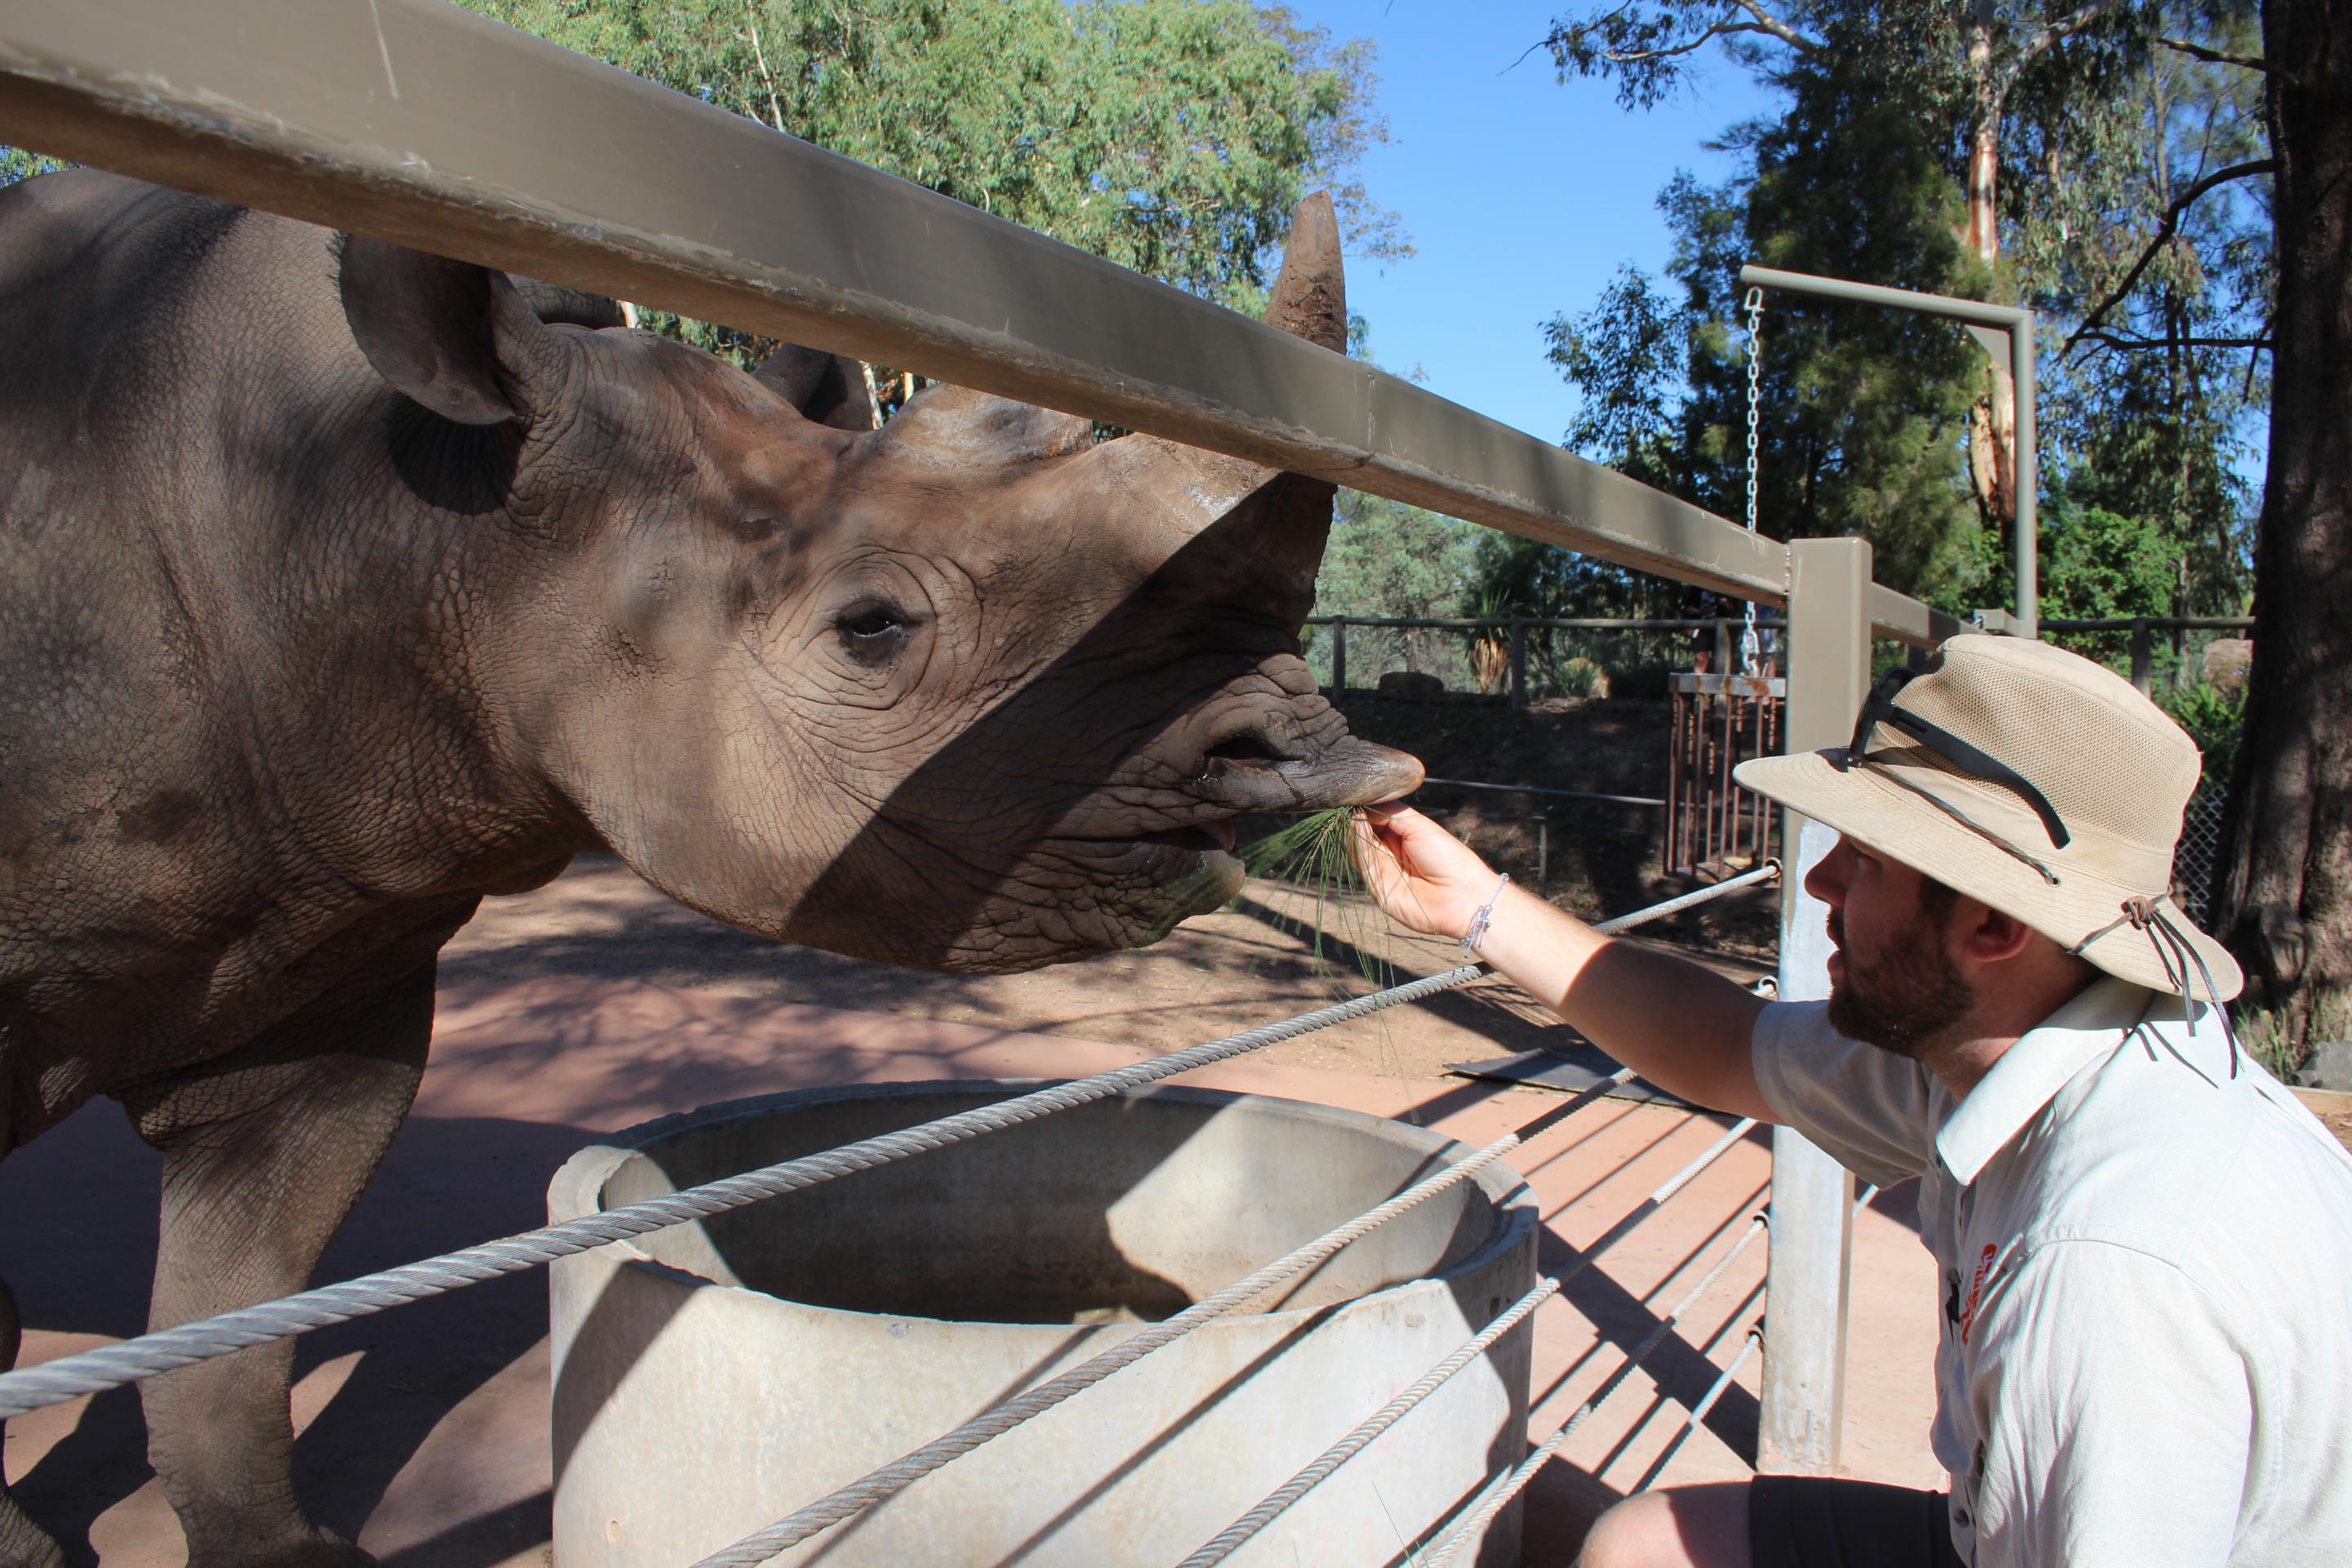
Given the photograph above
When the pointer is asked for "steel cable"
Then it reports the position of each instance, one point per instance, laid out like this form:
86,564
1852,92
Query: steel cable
1482,1514
877,1485
1227,1541
110,1367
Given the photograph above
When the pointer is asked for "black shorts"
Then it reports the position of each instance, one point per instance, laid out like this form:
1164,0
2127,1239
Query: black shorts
1821,1521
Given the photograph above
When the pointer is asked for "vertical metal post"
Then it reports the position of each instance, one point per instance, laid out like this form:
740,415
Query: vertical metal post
1338,657
1810,1273
2025,461
1543,852
1726,808
1676,786
2140,655
1721,663
1519,665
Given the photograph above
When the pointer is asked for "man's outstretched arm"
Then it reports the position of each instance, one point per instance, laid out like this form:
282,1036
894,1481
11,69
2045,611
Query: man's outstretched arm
1684,1027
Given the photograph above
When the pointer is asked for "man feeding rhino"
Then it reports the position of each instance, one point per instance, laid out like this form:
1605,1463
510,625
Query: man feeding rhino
345,585
2145,1243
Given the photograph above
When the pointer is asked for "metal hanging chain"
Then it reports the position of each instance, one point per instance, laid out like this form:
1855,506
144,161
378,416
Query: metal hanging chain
1750,645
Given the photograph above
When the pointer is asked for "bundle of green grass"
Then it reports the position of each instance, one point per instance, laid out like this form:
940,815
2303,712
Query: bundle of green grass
1311,855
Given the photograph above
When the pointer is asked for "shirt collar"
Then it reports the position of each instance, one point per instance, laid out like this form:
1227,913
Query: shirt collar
2029,1074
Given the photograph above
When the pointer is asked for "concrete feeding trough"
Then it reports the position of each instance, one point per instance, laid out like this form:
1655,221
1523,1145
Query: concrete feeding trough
711,1378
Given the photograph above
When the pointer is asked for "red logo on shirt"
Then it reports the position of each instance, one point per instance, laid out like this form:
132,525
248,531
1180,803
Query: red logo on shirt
1976,1289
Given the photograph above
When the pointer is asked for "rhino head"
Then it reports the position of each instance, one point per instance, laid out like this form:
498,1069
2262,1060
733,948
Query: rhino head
971,691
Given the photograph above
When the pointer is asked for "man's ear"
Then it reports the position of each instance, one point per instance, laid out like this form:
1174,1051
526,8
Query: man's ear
1987,934
455,337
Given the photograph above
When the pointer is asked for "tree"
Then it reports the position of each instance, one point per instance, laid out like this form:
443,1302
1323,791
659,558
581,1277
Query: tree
1860,412
1386,558
17,163
1170,136
2033,111
2283,895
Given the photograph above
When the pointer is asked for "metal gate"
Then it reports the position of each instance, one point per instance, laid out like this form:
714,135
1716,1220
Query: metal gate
1714,828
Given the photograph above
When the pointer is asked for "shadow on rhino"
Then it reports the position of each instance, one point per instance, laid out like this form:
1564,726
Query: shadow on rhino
346,584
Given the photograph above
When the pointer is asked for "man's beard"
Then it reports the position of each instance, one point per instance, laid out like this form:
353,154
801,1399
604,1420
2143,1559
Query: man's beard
1906,996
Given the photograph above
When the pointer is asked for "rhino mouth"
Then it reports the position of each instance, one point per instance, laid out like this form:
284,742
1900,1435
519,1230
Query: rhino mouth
1214,837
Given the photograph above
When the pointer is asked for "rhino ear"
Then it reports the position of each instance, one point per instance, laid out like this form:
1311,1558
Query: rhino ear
455,337
980,428
831,389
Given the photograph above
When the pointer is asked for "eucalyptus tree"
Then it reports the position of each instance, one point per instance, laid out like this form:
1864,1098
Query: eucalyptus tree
2283,895
1170,136
1861,413
2076,138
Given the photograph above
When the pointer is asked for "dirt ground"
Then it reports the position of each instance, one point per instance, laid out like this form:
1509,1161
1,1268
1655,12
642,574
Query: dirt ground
1217,975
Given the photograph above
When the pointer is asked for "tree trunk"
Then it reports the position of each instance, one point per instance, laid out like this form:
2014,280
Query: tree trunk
2283,895
1993,423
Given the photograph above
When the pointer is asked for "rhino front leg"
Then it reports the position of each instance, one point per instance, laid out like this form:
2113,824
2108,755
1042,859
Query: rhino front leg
23,1543
264,1155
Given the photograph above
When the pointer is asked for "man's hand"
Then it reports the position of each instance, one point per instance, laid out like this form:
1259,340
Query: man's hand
1422,877
1684,1027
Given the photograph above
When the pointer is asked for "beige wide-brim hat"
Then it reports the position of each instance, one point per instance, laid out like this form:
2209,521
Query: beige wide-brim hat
2114,770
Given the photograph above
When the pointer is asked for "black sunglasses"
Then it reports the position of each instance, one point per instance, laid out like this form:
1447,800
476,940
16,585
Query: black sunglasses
1879,708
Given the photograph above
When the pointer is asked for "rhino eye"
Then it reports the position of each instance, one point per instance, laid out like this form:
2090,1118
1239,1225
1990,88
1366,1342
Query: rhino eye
871,633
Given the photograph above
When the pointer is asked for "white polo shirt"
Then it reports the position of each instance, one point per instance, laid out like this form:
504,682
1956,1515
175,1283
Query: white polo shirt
2147,1265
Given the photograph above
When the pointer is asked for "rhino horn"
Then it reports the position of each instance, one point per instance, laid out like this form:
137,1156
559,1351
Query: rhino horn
1310,296
1270,526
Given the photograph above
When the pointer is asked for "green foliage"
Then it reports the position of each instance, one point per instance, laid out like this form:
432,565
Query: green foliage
2099,118
1628,355
1311,853
2092,564
1170,136
1861,411
2215,720
2281,1038
1386,558
18,164
1579,676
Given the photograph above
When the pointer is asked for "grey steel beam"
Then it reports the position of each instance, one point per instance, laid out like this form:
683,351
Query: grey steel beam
1809,1279
420,123
2014,324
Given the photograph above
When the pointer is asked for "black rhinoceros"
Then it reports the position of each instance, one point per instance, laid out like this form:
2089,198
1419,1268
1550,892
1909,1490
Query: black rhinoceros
341,586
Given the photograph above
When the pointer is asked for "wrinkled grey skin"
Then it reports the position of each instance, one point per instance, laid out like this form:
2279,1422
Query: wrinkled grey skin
341,589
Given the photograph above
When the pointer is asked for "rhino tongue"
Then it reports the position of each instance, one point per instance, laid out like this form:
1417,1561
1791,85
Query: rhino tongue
1351,772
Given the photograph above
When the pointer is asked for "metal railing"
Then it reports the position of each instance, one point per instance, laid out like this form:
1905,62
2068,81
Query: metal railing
421,124
2142,630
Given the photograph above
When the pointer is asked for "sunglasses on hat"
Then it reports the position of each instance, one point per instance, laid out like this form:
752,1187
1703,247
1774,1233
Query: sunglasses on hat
1879,708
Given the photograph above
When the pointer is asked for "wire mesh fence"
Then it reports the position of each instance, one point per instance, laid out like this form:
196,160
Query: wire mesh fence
2199,849
2195,667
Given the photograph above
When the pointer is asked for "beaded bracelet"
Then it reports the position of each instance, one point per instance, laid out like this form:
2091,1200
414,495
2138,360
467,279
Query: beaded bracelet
1477,932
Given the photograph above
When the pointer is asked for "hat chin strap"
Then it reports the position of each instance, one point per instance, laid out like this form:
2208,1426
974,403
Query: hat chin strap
2177,955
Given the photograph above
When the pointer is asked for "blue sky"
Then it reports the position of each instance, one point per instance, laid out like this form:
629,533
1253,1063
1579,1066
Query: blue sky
1522,194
